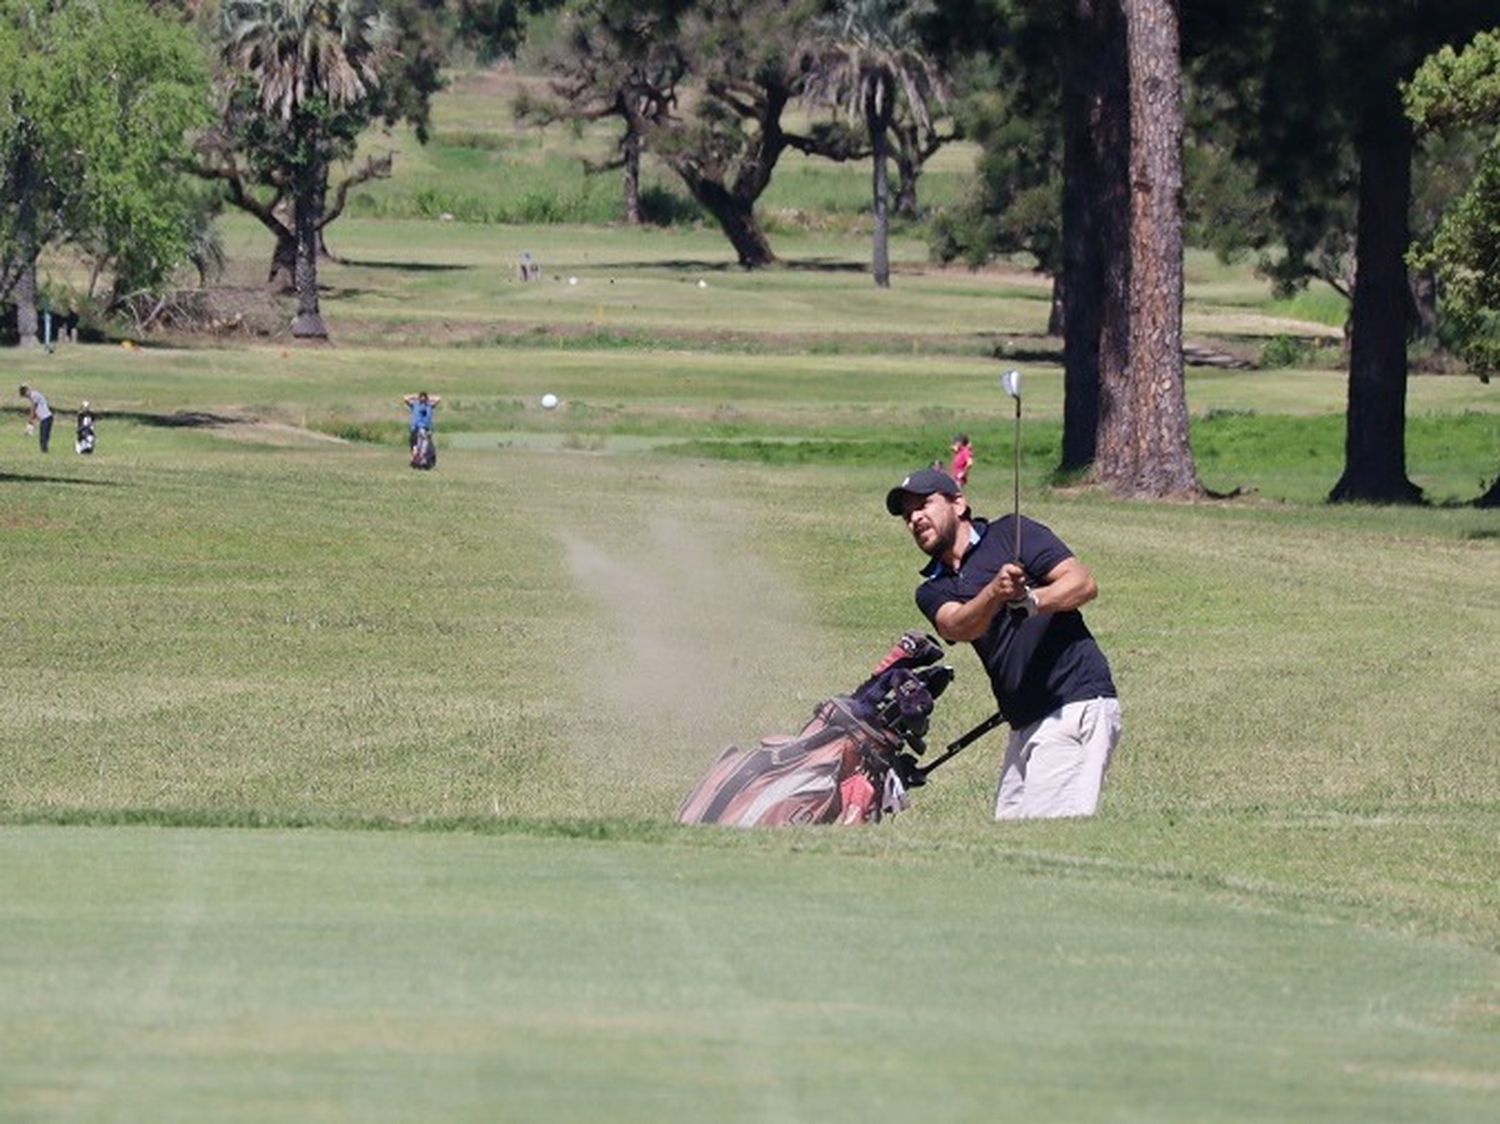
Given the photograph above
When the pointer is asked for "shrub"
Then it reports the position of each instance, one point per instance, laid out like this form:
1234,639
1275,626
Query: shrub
1284,351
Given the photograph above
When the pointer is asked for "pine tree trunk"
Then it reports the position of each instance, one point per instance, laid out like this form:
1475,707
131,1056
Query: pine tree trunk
308,210
1154,459
1375,427
880,264
632,176
1096,226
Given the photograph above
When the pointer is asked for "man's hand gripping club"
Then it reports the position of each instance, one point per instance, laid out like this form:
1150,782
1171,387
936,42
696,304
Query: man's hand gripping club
1020,599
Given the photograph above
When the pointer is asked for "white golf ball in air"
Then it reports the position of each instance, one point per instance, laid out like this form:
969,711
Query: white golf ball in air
702,284
549,401
572,280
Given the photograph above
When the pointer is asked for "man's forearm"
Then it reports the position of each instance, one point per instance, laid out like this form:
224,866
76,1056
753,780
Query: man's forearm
1069,586
971,619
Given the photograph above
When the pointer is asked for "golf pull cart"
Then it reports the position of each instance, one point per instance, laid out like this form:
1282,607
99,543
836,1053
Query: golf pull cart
423,449
852,763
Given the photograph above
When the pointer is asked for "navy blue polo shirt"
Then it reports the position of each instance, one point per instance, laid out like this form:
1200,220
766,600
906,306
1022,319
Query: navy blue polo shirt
1035,665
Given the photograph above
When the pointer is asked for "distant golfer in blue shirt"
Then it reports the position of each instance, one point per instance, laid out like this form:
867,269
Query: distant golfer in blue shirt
422,405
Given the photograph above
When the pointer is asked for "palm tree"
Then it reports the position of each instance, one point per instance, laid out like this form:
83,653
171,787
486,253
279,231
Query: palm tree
306,64
867,61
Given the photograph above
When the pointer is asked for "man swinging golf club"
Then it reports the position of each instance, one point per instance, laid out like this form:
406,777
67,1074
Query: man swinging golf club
1013,590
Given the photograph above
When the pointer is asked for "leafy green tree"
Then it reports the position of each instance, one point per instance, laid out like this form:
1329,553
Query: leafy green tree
719,78
96,101
1014,202
492,29
1453,91
1319,111
725,139
611,59
868,60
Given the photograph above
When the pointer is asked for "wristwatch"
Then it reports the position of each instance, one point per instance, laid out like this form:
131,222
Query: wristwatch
1025,605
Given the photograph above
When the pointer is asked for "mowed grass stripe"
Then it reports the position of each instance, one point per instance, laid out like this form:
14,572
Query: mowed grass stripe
329,976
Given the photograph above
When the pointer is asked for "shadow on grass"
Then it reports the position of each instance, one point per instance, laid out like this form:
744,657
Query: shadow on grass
186,419
28,478
409,266
797,265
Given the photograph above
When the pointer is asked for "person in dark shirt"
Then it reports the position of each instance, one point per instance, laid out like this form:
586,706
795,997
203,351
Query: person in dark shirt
1048,675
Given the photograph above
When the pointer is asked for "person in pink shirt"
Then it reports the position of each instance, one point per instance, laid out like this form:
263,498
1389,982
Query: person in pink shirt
963,457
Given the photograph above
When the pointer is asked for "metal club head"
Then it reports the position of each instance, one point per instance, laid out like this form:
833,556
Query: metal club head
1010,382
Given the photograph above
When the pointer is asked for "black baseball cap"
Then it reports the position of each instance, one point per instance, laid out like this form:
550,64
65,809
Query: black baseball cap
923,482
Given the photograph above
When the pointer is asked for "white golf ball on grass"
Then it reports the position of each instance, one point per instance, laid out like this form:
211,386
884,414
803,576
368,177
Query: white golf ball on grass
549,401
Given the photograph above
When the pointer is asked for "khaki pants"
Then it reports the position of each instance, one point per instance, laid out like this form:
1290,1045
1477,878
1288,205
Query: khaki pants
1056,766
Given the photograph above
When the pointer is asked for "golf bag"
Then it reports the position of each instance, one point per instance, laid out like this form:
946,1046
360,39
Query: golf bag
851,763
423,449
83,439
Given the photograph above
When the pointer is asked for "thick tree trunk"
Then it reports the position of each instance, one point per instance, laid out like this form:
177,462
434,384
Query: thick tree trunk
907,172
283,275
1151,456
24,291
735,215
880,263
1096,216
24,295
308,210
1375,427
1424,303
632,176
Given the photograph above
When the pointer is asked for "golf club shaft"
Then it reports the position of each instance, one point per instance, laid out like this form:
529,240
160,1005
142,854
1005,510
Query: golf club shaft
1018,482
959,744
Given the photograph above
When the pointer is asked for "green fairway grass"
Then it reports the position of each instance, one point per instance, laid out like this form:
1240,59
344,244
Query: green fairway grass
334,790
317,976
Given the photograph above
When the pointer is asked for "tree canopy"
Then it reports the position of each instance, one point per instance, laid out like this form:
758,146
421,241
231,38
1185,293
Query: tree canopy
96,101
1455,90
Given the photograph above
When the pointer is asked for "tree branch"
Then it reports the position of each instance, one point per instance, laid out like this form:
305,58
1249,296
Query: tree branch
374,168
229,174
